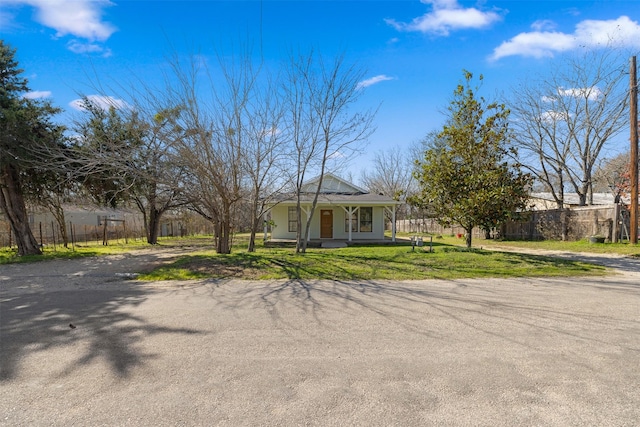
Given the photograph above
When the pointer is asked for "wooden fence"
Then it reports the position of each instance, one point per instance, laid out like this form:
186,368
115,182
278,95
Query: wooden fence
609,221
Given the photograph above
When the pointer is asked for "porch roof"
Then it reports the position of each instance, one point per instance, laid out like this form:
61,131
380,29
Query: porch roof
338,199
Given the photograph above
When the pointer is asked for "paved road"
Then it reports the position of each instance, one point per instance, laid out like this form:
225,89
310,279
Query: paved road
546,352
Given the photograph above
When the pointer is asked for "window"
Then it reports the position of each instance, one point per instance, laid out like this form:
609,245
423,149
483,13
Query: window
354,222
293,219
366,219
361,221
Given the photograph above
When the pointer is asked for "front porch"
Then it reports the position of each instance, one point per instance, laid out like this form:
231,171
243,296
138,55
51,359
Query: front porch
335,243
330,208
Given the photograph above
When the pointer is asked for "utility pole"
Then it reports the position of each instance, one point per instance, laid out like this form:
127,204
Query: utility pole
633,124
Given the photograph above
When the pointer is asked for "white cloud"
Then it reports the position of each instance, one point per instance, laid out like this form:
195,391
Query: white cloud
37,94
104,102
269,133
336,155
543,25
6,19
592,93
81,18
554,116
447,16
77,46
589,93
621,32
373,80
535,44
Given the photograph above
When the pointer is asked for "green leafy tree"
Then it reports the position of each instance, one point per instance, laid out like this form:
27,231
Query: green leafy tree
128,156
466,177
104,152
28,139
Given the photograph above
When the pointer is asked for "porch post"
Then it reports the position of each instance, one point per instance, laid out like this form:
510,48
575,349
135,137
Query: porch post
349,211
393,223
264,225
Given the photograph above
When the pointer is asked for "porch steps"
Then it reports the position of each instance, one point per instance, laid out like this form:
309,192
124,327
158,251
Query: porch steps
333,245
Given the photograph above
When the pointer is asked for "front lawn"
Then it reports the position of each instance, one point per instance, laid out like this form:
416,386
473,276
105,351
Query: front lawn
556,245
450,260
368,262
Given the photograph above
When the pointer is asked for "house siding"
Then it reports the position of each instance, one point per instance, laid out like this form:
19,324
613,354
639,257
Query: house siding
279,215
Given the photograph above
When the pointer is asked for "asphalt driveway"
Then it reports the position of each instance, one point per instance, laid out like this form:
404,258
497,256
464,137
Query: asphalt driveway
561,351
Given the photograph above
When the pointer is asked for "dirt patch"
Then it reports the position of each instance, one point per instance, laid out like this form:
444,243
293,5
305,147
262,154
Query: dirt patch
217,268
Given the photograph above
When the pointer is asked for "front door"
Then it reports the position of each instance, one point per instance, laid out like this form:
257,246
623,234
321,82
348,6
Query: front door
326,224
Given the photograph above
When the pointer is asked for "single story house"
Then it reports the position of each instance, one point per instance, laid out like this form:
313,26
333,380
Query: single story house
344,212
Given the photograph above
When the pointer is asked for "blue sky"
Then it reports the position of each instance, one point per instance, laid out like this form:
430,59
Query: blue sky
414,51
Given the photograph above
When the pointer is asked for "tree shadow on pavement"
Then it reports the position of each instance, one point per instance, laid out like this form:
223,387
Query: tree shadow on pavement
101,324
512,312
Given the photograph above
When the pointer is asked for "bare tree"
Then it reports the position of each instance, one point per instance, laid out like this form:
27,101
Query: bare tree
51,190
319,95
391,174
613,175
563,121
210,138
217,133
264,153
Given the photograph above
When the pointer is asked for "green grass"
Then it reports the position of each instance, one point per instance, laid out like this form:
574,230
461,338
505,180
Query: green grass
574,246
10,256
365,262
550,245
368,262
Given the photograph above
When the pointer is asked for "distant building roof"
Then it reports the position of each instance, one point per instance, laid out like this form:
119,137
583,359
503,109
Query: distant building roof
572,199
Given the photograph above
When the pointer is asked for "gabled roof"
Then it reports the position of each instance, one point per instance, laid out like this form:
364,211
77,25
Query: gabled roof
335,190
331,184
338,199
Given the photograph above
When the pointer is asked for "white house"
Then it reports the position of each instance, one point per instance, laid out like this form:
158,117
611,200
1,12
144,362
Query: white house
344,212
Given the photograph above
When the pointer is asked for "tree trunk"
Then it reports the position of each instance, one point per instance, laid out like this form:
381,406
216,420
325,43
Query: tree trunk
224,238
225,248
255,223
564,224
58,213
487,233
12,204
582,199
252,236
154,226
224,232
216,234
468,235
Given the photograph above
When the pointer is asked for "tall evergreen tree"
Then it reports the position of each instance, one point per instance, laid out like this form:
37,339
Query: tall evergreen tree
465,177
26,134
